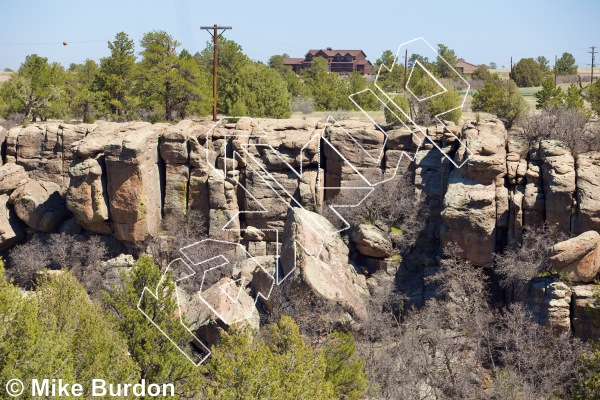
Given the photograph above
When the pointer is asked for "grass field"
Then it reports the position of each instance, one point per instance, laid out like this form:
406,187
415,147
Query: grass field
4,76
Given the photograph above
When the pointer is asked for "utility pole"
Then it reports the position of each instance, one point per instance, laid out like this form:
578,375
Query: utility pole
555,59
215,35
405,69
510,76
593,52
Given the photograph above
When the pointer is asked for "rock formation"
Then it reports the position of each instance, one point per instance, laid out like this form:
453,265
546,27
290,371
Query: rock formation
257,182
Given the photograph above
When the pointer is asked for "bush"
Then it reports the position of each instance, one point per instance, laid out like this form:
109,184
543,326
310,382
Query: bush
527,73
567,124
593,96
501,98
392,115
304,105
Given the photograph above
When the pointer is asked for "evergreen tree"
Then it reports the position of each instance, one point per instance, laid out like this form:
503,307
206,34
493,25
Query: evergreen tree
264,92
57,331
527,73
281,366
323,86
168,82
116,76
549,95
345,372
159,360
294,84
444,68
501,98
573,98
389,81
565,65
84,97
35,91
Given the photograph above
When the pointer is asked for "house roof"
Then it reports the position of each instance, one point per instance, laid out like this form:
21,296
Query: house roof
331,53
292,61
467,67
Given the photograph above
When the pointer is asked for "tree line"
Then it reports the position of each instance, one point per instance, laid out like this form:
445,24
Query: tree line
167,83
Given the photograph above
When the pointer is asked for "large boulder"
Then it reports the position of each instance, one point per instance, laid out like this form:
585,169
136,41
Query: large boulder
588,193
87,197
315,258
39,204
579,257
12,230
371,241
11,175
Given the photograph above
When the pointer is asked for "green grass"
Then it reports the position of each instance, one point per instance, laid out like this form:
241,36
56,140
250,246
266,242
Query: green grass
397,230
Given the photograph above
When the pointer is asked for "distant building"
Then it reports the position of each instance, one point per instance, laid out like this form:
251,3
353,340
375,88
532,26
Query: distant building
340,61
464,67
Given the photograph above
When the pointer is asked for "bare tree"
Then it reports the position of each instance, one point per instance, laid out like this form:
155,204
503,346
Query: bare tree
393,205
568,125
521,262
535,363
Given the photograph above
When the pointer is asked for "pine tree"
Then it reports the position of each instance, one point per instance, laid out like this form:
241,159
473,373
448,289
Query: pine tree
116,75
159,360
549,95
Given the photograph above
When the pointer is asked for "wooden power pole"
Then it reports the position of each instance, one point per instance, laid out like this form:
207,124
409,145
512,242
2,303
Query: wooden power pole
405,69
593,52
555,60
215,35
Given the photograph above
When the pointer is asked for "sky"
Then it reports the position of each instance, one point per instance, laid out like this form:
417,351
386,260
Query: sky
479,31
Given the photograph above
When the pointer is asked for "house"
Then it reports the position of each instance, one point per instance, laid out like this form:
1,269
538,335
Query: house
340,61
464,67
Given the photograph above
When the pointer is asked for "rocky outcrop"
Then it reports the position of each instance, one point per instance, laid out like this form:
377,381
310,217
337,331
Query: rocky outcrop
39,204
87,196
371,241
586,312
243,178
549,301
578,257
315,258
10,176
134,184
12,230
558,177
588,193
472,201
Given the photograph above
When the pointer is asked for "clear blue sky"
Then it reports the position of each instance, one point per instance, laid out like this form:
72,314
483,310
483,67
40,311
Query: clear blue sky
479,31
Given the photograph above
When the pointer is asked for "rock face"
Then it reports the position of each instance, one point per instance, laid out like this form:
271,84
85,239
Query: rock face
558,176
316,259
371,241
549,302
472,202
579,257
134,185
10,177
588,193
39,204
585,312
242,179
12,230
87,197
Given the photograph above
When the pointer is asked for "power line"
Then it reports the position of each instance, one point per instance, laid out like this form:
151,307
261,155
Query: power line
215,35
